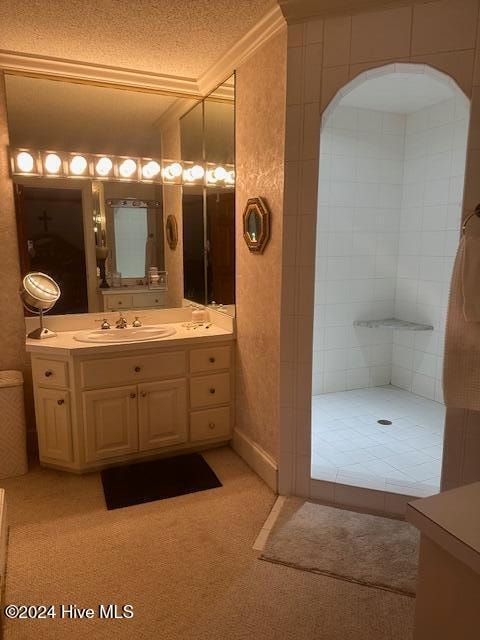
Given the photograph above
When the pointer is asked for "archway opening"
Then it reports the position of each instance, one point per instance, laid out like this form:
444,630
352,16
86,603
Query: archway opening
392,164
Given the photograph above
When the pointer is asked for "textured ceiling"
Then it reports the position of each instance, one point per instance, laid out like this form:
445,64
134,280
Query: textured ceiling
174,37
45,114
398,93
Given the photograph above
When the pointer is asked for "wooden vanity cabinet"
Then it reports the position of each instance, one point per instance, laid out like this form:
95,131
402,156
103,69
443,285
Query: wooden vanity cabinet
97,410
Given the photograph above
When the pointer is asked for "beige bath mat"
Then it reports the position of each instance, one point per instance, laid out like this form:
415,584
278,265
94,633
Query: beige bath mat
374,551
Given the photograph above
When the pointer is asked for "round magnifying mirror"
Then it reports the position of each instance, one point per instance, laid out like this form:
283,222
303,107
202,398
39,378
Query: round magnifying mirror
39,294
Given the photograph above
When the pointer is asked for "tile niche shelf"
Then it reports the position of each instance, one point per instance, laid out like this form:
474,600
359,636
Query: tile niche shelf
393,323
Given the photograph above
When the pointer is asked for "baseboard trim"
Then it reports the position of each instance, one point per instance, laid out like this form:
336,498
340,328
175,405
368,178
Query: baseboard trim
256,458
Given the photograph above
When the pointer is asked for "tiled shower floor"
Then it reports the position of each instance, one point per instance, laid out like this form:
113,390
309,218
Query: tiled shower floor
350,447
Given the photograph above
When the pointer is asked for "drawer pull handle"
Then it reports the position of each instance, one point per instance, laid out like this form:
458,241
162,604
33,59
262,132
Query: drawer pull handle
211,425
133,395
48,374
212,390
156,300
138,369
211,359
119,302
61,401
144,394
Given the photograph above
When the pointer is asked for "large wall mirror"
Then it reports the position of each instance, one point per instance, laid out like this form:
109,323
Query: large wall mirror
101,233
208,134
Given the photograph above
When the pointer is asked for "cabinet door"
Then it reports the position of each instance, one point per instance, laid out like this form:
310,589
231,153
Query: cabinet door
110,422
54,425
162,410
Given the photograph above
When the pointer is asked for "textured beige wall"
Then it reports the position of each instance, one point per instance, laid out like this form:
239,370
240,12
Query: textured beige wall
12,334
260,135
172,204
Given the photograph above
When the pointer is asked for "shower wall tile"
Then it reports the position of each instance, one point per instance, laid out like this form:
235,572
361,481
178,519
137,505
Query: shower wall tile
360,186
434,168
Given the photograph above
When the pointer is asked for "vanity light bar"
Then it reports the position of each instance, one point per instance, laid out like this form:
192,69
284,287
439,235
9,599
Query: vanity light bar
61,164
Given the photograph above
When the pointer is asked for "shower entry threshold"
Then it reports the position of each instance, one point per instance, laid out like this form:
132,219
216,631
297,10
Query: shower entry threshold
393,323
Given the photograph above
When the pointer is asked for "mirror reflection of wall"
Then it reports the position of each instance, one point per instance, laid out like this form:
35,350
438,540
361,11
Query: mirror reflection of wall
208,133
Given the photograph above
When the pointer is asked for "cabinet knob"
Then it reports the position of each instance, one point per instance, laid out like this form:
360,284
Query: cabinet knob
212,390
119,302
144,394
211,359
211,425
48,373
138,369
156,300
61,401
133,395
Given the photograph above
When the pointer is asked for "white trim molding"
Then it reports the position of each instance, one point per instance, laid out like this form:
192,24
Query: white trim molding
75,71
256,458
268,26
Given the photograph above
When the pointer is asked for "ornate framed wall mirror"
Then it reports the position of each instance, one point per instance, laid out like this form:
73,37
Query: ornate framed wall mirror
256,225
171,232
91,198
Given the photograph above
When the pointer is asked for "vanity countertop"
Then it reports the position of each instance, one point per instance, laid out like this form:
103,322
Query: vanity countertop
452,520
65,344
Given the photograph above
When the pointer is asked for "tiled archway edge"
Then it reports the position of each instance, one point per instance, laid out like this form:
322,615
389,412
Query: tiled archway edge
389,69
320,65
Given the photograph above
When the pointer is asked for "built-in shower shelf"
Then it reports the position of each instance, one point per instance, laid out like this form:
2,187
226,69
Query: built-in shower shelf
393,323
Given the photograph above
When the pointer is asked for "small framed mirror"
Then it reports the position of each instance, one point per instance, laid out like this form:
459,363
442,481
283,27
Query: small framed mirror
171,230
256,225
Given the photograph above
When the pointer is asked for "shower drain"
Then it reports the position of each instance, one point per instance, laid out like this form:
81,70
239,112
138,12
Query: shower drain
384,422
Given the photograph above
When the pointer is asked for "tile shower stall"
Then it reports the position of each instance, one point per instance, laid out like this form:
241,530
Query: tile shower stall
392,162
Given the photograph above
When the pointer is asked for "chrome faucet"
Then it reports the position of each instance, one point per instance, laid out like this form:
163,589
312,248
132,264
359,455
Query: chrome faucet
121,323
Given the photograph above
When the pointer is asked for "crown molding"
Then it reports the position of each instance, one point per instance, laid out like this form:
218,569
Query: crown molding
185,89
73,71
268,26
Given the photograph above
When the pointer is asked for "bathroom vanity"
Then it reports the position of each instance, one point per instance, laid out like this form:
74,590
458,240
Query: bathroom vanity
132,298
100,404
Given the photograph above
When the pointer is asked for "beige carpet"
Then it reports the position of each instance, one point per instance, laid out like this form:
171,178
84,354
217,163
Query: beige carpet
186,565
370,550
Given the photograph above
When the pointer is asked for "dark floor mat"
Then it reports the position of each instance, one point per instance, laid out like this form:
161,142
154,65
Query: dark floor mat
156,480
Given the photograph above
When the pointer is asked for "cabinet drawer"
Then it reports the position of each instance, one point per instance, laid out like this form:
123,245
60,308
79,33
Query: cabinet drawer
119,301
50,373
209,424
127,370
210,390
147,300
209,359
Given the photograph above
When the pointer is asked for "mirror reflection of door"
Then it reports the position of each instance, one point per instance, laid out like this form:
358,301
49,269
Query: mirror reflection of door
193,245
254,226
221,247
51,240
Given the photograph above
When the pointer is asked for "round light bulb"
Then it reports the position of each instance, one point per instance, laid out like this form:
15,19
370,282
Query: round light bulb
175,169
78,164
127,168
230,177
25,162
197,172
104,166
150,170
219,173
53,163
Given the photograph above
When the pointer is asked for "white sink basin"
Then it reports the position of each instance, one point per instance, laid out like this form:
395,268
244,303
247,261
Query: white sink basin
129,334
